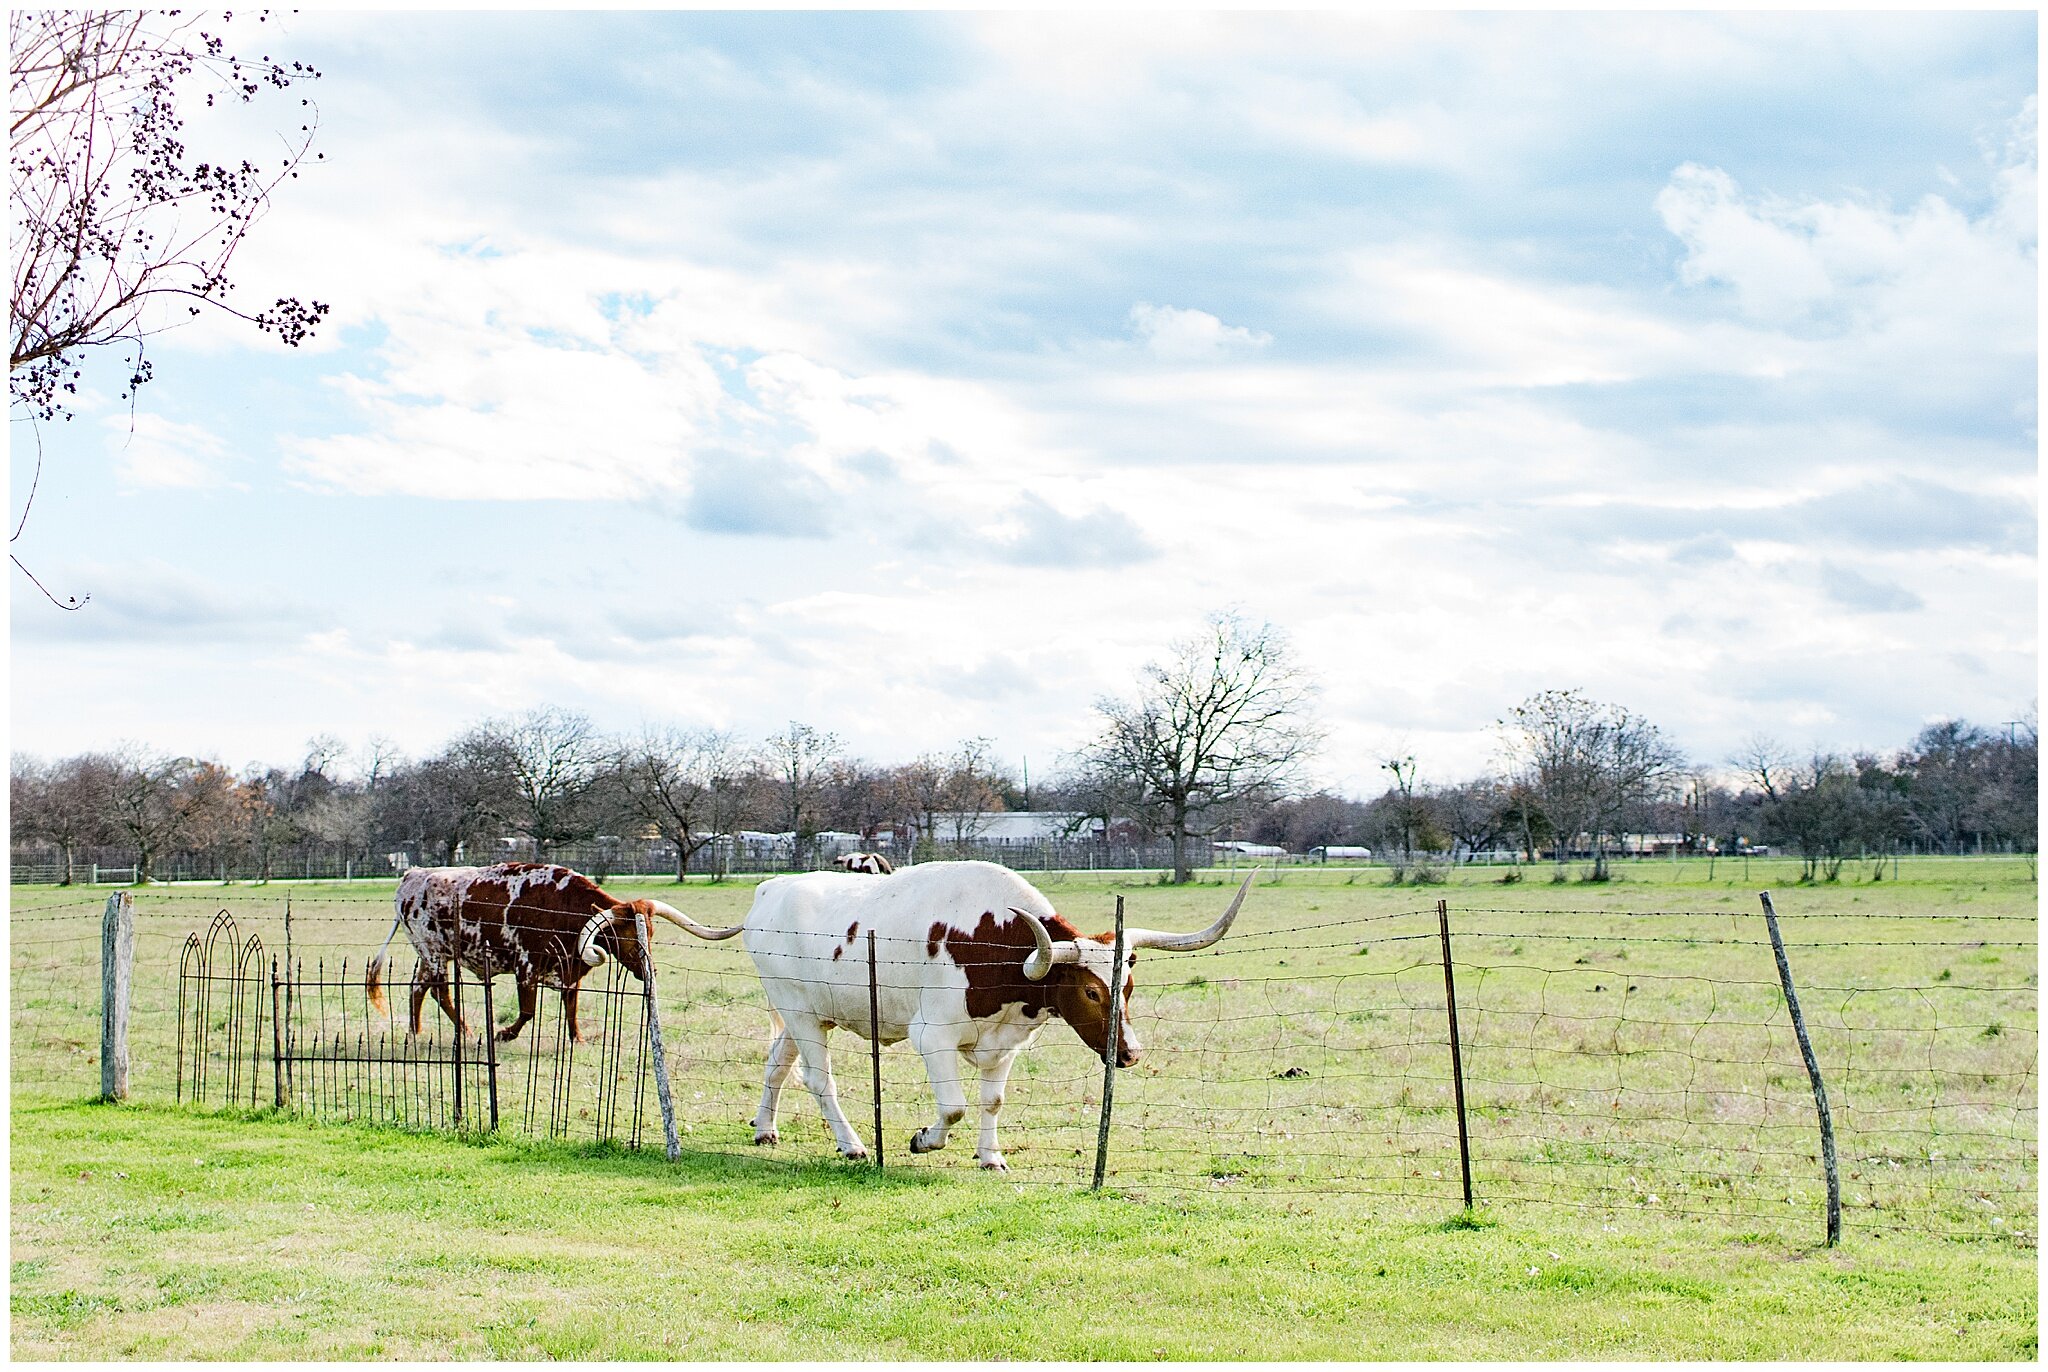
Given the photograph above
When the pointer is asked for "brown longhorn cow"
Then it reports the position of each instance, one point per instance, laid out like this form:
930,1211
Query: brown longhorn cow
545,924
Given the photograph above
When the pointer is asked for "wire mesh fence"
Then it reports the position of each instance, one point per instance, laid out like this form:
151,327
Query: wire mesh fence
1615,1062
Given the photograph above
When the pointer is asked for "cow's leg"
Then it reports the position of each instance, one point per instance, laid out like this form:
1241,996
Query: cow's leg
817,1068
939,1046
422,978
569,1014
995,1078
781,1057
446,1001
529,1001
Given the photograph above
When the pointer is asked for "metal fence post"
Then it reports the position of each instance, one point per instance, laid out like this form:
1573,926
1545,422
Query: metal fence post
875,1043
455,997
490,1042
1109,1041
1820,1091
1443,924
661,1091
276,1037
117,974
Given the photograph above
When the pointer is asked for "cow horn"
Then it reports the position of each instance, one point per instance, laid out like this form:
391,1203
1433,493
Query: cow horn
1188,943
586,943
1047,954
688,925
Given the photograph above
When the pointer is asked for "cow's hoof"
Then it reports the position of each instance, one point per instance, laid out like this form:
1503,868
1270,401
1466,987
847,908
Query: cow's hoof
922,1142
507,1035
854,1154
766,1137
994,1164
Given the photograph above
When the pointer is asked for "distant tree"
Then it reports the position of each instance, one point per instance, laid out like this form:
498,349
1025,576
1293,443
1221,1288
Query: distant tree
920,796
279,804
672,779
1223,718
1586,765
797,758
445,804
1474,814
969,789
860,798
1947,771
64,804
1091,792
113,212
2009,805
1824,810
156,804
550,761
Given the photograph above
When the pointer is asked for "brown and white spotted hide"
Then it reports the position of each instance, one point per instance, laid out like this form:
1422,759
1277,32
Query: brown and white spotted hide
873,863
992,957
533,920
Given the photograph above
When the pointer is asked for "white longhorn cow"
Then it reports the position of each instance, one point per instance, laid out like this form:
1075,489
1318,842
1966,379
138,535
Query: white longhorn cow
972,961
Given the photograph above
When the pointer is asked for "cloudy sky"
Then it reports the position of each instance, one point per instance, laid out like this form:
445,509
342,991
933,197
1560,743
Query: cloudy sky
921,376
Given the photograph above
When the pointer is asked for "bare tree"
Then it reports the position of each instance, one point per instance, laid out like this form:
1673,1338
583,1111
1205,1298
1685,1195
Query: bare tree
673,778
797,759
550,759
1222,719
1474,814
969,791
1586,765
63,804
440,806
861,797
113,213
156,803
920,794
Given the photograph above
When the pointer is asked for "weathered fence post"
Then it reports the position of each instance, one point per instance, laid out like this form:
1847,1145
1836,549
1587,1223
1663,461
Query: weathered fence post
875,1043
1820,1091
117,975
1109,1042
1443,924
661,1091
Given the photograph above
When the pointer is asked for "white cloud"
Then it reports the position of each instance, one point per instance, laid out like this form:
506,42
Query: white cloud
155,453
1181,335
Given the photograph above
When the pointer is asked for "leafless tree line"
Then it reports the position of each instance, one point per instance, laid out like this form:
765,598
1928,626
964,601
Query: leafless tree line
1212,743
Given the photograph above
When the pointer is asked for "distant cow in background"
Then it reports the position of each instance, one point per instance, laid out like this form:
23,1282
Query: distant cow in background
873,863
545,924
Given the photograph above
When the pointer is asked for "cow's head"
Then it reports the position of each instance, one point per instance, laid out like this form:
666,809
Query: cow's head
615,934
1080,972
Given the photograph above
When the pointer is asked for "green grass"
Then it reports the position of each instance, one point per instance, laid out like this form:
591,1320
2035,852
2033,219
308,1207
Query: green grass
1283,1167
148,1232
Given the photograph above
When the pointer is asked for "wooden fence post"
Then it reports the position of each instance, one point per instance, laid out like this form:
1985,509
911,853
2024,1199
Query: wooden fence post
1443,924
1109,1041
117,975
1820,1091
661,1090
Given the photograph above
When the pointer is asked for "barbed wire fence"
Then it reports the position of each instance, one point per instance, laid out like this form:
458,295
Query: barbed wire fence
1614,1063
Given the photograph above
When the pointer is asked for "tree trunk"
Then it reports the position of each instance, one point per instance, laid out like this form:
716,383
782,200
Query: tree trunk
1182,874
66,849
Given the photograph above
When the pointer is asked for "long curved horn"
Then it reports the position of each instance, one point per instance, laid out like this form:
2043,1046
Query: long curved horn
586,942
688,925
1188,943
1047,954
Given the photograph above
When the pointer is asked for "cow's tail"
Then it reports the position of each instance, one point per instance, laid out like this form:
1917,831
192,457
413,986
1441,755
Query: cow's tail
373,980
688,925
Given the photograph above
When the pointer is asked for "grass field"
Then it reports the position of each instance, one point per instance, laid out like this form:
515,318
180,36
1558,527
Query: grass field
1284,1166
